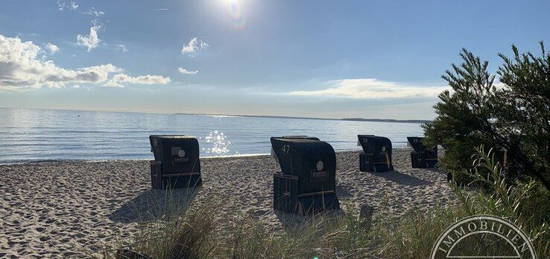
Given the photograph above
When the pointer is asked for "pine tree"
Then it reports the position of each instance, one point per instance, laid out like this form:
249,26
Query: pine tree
512,117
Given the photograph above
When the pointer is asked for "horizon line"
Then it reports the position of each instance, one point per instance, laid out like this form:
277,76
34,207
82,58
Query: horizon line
236,115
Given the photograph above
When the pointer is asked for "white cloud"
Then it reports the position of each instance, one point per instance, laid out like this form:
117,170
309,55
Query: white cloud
370,88
90,41
21,66
119,80
121,47
187,72
94,12
193,46
66,4
51,48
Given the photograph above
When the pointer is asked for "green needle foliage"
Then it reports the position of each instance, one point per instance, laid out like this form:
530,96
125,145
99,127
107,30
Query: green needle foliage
512,117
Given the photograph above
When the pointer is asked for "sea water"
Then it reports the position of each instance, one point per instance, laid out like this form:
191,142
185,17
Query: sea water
36,135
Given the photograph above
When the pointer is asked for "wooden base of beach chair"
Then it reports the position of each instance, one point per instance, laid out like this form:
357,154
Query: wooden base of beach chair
173,180
286,197
421,160
367,163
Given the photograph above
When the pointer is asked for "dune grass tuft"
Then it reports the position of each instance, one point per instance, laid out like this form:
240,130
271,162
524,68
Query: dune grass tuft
195,234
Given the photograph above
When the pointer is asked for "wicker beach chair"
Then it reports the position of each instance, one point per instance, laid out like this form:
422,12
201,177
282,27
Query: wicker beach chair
422,156
177,163
376,155
306,183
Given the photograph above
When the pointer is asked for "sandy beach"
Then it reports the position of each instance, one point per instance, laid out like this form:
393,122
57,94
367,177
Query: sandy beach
72,209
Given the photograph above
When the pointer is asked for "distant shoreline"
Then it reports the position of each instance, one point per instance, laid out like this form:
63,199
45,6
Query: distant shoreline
308,118
238,115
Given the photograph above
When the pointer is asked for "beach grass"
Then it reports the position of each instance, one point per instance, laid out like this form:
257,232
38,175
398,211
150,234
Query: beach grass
195,234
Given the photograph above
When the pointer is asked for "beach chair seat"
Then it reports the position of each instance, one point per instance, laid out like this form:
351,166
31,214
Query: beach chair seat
422,156
376,155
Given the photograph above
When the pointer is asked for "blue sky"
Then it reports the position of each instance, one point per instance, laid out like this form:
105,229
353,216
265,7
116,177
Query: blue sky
372,59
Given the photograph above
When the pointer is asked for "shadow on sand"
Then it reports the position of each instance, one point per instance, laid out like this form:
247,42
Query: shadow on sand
342,191
403,179
154,205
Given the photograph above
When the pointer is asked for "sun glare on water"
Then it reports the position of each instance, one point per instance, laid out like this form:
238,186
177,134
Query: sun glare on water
217,142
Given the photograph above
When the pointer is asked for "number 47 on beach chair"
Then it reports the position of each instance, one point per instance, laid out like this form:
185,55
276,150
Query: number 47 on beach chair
306,184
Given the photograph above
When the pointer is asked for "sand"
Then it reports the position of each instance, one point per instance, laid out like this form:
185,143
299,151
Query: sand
73,209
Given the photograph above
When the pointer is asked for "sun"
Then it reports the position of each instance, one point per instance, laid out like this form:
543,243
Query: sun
234,8
230,1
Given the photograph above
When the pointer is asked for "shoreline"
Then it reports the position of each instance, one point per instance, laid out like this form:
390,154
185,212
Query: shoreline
57,161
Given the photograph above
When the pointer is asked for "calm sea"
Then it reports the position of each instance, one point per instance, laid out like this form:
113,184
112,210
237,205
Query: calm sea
31,135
